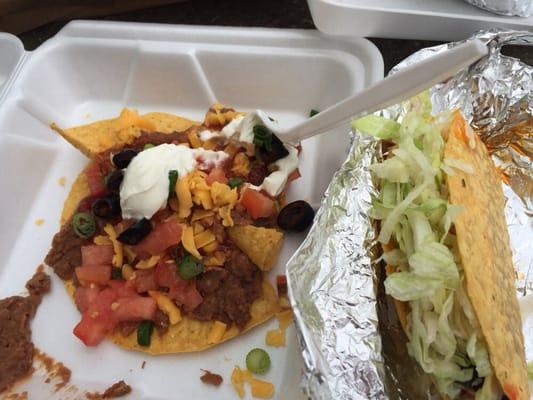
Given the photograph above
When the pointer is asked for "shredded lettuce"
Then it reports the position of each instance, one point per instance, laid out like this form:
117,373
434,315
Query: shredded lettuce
416,218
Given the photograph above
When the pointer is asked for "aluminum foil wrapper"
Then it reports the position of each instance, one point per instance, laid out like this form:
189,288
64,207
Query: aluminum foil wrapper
335,288
520,8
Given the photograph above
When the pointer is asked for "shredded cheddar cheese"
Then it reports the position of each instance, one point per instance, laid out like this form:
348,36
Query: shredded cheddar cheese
39,221
165,304
183,194
217,332
275,338
241,165
200,190
118,257
223,195
194,140
261,389
148,263
129,253
188,242
102,240
62,181
204,238
199,214
128,272
211,247
225,214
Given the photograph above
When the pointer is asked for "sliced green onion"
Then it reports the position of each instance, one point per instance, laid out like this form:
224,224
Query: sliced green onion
144,333
258,361
172,179
235,182
116,273
189,267
148,146
84,225
313,112
262,137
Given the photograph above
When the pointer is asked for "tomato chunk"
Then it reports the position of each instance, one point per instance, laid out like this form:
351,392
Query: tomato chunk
166,273
145,280
135,308
123,288
100,274
216,175
98,320
97,255
163,235
95,179
257,204
185,293
84,296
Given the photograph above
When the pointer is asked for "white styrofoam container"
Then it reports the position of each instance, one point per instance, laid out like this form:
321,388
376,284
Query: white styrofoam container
91,70
408,19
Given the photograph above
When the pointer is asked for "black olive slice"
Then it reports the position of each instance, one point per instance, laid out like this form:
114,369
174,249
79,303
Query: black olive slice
135,233
113,180
106,207
122,159
296,216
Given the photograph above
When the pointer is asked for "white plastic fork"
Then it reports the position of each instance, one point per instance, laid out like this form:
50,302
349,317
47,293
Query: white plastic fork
391,90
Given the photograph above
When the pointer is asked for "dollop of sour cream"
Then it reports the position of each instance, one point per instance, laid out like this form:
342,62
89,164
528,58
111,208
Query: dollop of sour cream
275,182
144,189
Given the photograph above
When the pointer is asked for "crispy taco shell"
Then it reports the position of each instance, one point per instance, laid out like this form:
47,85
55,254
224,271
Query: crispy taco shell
485,253
188,335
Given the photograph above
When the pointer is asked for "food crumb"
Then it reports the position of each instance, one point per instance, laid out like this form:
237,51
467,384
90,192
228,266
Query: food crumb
143,364
87,115
39,221
62,181
211,379
117,389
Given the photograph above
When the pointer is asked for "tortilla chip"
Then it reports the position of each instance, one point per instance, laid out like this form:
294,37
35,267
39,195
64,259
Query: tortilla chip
261,245
486,258
191,335
78,191
97,137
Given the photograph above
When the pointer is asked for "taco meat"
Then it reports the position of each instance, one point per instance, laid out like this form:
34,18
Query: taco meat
65,254
229,292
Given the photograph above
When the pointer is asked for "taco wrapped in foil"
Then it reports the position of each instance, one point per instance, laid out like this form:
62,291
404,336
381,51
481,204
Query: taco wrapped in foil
440,222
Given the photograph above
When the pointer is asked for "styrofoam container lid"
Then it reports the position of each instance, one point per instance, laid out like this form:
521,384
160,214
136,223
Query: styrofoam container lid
91,70
408,19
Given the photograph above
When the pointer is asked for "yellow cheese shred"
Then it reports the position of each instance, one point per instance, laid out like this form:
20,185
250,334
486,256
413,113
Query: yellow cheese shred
118,257
188,242
148,263
165,304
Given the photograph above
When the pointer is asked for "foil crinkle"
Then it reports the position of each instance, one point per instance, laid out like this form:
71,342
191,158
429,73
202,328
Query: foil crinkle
520,8
335,293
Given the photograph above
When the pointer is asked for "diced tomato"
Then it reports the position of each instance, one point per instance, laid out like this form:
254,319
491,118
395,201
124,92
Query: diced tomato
90,330
216,175
97,255
98,320
145,280
100,274
294,175
166,274
163,235
95,179
84,296
135,308
123,288
185,292
257,204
